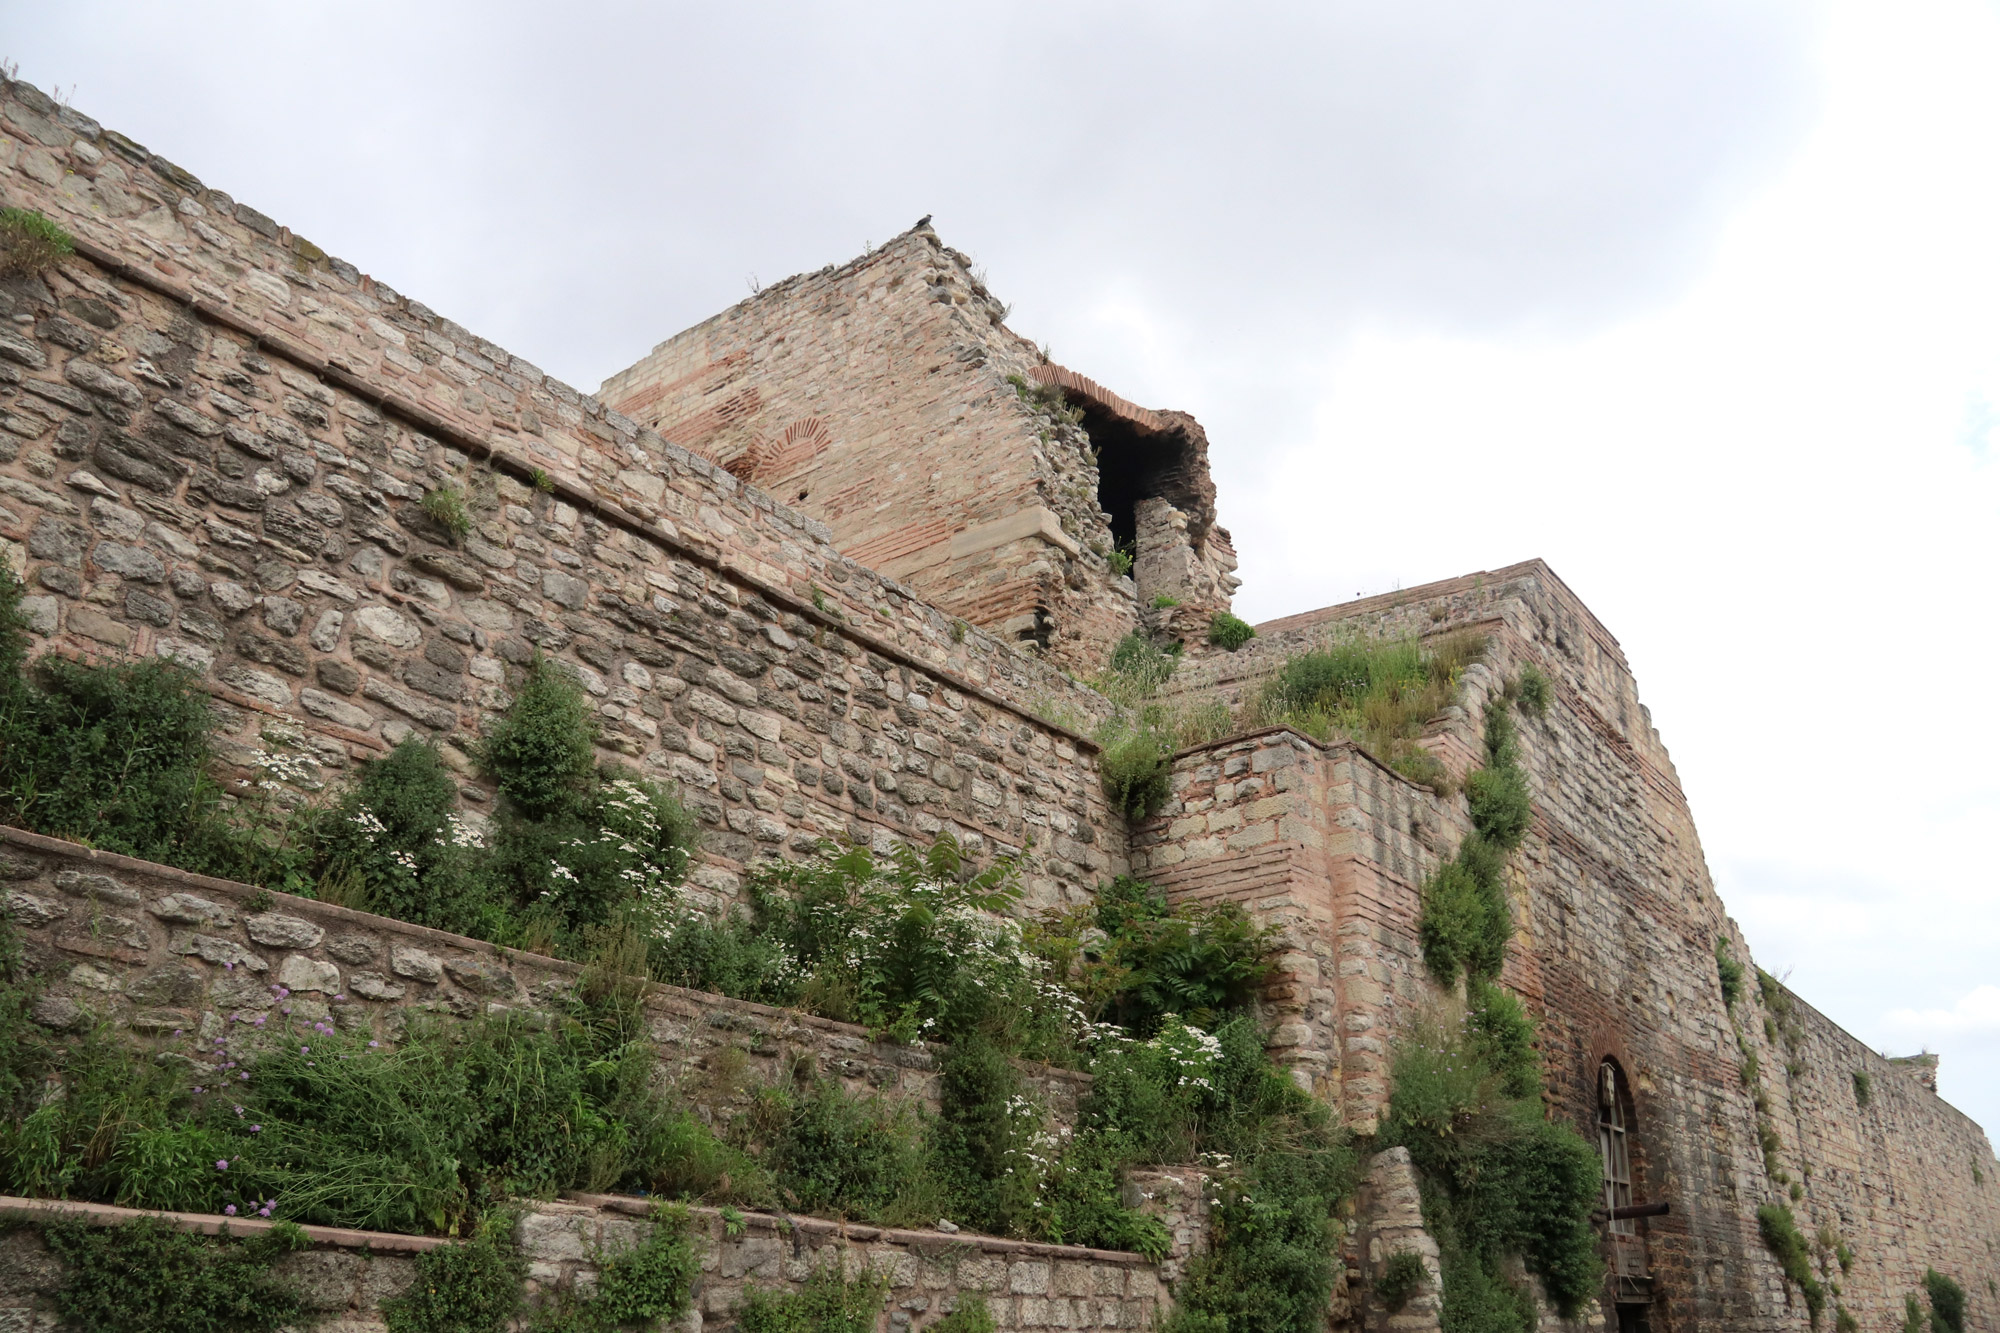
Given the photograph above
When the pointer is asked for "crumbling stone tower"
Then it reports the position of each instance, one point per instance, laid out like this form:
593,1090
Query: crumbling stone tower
886,398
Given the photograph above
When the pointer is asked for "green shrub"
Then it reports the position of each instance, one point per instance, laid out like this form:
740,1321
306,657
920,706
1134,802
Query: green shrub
1498,1178
1120,561
1229,632
446,506
1137,767
395,844
147,1275
1843,1322
1403,1276
637,1287
1914,1318
1466,919
837,1155
1947,1302
1165,601
114,755
1864,1088
542,752
1382,694
829,1302
30,243
471,1287
1729,972
1787,1245
1533,690
969,1314
1146,959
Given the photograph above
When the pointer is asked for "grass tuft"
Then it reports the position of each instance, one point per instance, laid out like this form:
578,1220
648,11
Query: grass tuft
31,244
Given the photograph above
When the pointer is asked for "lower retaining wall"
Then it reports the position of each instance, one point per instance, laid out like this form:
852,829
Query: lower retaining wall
346,1276
159,952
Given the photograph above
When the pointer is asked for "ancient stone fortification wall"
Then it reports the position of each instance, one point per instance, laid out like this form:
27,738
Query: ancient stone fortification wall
886,398
347,1276
1617,920
182,959
216,446
875,396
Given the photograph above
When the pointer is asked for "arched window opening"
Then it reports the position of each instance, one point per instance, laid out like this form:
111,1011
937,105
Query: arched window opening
1615,1149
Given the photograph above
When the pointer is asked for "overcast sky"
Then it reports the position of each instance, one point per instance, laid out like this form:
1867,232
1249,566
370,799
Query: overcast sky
1698,301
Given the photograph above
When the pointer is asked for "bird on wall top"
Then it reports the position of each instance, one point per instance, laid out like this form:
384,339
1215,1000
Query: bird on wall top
922,222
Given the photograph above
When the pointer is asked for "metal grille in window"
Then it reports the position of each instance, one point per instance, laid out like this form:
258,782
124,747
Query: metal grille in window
1613,1148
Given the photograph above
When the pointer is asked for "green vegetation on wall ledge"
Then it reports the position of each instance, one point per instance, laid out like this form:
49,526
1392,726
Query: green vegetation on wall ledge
1380,693
1466,921
1228,632
1788,1246
1499,1180
146,1275
31,243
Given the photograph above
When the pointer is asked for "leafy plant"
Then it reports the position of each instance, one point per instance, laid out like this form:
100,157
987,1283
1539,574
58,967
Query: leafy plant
1379,693
1947,1302
30,243
1403,1276
1533,690
830,1302
470,1287
1134,959
542,481
1229,632
1729,972
969,1314
1498,1178
1120,561
1466,920
1914,1318
1163,601
446,506
145,1274
636,1287
1137,767
1788,1246
1864,1088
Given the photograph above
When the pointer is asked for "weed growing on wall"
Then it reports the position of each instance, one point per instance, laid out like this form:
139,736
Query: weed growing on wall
1914,1319
31,243
1947,1302
970,1314
1380,693
1498,1179
116,756
146,1275
1788,1246
642,1286
1403,1276
1729,972
1466,921
446,507
473,1286
1134,959
1864,1088
1229,632
831,1301
1533,690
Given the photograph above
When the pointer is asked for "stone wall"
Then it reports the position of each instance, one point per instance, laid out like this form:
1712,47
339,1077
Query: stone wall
347,1276
1614,952
216,443
178,960
886,398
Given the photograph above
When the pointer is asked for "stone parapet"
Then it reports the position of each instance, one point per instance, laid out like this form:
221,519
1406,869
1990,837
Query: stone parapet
346,1276
177,960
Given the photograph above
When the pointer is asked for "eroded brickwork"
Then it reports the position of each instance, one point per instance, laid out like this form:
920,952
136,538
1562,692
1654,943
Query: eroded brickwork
886,398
